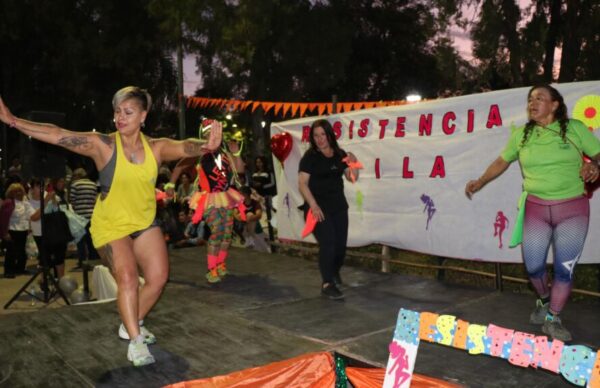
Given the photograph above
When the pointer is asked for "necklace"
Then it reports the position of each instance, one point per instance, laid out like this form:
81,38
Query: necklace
132,158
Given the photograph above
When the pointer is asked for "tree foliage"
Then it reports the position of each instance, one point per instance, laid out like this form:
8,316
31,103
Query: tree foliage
517,47
71,56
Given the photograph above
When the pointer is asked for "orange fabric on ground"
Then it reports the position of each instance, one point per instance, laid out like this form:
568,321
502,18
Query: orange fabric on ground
307,370
373,378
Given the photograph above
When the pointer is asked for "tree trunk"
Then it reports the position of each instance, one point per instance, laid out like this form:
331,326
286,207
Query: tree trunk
512,16
551,39
571,42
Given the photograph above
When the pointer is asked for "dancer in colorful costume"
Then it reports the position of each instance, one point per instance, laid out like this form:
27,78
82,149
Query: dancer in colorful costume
215,199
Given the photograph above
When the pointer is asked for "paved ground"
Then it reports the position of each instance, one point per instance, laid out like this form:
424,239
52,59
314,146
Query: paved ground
269,309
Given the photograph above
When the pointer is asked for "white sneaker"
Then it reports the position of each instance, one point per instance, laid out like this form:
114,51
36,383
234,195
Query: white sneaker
149,338
139,354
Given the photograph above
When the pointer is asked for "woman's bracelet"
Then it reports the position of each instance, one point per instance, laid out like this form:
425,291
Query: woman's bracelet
13,123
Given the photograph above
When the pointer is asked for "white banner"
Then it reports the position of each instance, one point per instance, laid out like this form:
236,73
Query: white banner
418,159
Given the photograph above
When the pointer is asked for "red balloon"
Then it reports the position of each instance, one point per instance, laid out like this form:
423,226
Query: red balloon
281,145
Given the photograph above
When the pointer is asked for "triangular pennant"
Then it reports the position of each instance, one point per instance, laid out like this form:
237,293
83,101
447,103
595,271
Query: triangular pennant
286,108
255,105
321,108
277,107
346,106
357,105
295,109
267,105
303,108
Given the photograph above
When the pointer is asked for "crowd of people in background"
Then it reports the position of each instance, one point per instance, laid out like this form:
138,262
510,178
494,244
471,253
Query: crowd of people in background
78,189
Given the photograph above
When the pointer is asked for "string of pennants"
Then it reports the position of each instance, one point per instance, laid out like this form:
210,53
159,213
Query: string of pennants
296,109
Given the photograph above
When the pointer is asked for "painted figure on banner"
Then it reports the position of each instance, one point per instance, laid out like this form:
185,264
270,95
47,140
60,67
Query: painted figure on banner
286,203
401,364
500,225
123,224
429,208
553,208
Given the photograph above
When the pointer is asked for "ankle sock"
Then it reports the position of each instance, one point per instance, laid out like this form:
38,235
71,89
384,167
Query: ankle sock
222,256
212,261
138,340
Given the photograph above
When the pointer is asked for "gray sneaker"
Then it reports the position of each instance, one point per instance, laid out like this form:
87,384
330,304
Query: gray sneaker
139,354
556,330
538,315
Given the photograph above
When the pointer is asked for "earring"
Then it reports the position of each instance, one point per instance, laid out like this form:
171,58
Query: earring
142,124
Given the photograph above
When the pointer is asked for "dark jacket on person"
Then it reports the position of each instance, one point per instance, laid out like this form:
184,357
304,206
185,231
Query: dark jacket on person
8,206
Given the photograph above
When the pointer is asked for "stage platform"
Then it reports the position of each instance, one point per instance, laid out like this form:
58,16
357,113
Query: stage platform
268,309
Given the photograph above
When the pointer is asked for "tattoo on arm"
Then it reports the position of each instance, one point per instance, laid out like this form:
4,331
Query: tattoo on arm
193,148
75,142
106,139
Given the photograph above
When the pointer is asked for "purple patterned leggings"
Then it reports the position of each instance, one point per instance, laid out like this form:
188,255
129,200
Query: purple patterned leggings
564,223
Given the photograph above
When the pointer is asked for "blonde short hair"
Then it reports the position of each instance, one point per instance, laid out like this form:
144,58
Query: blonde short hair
14,187
133,92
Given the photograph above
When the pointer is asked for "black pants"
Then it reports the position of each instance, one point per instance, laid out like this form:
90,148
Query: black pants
54,254
16,258
332,235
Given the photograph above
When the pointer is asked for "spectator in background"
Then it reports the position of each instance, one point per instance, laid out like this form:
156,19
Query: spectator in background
14,226
36,220
263,179
15,168
165,171
185,189
251,229
59,187
82,197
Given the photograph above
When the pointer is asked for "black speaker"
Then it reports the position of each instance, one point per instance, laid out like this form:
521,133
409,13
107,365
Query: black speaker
39,159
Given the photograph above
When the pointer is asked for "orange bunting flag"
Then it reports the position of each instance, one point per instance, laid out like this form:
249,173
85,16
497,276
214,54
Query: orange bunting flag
311,222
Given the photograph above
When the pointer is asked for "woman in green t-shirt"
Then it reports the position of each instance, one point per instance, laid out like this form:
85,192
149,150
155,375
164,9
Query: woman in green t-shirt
556,211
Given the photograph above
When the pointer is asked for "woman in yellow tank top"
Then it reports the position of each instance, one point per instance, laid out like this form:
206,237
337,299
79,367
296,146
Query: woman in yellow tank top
123,227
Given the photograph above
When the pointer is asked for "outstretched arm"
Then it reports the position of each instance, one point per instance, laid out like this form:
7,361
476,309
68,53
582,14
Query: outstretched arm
493,171
168,150
82,143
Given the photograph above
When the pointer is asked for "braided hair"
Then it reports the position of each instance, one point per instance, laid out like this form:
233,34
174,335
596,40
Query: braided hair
560,114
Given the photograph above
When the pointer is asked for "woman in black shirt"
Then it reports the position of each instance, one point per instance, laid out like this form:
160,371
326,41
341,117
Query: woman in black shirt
321,184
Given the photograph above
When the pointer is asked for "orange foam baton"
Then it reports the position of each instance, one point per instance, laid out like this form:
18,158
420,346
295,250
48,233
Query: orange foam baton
311,222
